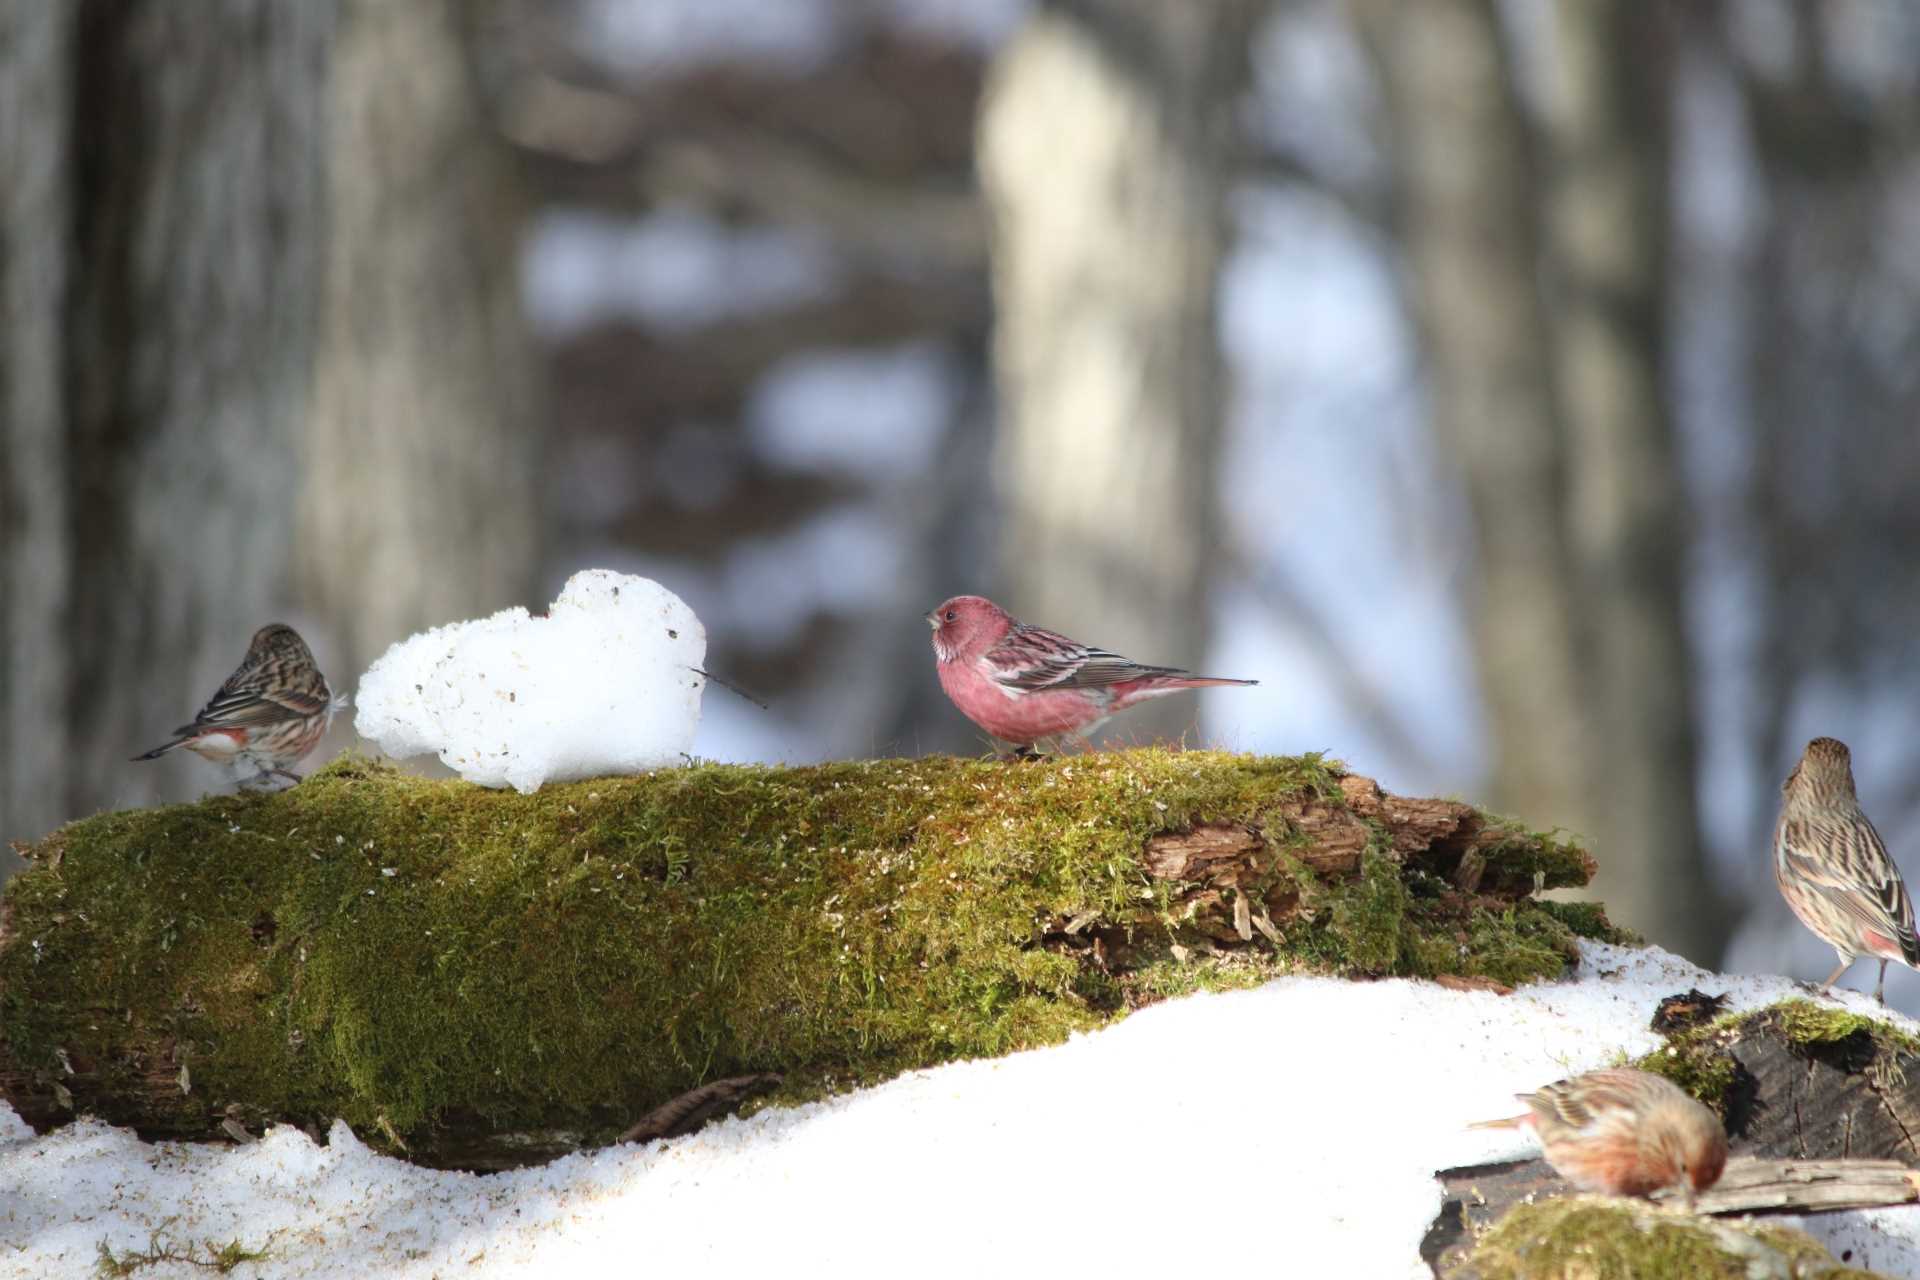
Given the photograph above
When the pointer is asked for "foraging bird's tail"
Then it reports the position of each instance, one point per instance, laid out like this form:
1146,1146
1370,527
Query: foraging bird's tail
182,736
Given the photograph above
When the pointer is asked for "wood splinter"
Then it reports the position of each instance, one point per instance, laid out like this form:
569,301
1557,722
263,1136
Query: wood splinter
680,1116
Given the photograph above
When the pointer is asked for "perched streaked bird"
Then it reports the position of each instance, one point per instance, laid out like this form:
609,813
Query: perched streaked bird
1023,683
269,714
1834,870
1623,1132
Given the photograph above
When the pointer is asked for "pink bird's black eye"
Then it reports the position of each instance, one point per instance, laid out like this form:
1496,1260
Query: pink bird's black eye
952,616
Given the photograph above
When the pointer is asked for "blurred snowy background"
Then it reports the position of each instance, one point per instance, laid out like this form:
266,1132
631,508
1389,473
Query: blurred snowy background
1524,392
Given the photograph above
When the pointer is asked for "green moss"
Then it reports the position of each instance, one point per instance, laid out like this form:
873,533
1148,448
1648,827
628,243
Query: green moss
1589,920
1517,858
1367,916
1599,1240
387,949
1394,921
1697,1060
1806,1022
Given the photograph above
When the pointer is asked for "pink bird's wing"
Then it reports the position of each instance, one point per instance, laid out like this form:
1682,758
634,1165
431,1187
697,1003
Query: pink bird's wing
1845,865
1032,658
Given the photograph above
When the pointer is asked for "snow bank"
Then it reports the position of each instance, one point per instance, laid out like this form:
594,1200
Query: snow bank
1290,1130
605,683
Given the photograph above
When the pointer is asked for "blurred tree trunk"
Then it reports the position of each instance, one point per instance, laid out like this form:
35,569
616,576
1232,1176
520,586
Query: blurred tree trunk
1467,183
1556,415
418,502
35,48
1608,209
1105,145
199,188
261,360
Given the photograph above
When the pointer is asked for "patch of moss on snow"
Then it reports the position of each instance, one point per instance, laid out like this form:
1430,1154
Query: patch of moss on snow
386,948
1807,1022
1592,1239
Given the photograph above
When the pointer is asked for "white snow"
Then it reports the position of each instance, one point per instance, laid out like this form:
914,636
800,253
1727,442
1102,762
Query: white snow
606,683
1293,1129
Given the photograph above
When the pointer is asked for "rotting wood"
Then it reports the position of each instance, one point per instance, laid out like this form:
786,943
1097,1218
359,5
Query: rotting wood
692,1109
1817,1124
1478,1196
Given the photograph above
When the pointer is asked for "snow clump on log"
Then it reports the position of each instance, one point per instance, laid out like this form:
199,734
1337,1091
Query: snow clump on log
606,683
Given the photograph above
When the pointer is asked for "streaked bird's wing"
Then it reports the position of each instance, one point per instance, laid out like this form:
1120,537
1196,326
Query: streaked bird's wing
1562,1106
1842,861
262,694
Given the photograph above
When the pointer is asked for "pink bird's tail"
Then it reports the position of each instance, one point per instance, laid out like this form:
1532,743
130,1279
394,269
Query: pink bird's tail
1151,681
1507,1122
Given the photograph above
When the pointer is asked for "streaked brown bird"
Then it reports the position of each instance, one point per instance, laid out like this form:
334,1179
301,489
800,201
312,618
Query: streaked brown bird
1834,870
1623,1132
269,714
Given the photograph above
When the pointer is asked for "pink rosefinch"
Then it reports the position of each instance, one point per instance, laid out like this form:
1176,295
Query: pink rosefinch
269,714
1623,1132
1023,683
1833,869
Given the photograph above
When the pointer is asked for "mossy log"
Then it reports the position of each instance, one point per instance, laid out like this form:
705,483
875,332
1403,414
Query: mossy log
481,979
1587,1236
1796,1082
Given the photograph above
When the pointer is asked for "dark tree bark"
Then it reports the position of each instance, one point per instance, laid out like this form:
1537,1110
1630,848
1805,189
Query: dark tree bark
1105,142
420,453
1466,183
1607,217
1536,266
262,359
199,193
35,48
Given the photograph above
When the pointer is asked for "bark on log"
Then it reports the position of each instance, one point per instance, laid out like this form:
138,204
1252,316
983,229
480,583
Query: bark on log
1800,1093
483,979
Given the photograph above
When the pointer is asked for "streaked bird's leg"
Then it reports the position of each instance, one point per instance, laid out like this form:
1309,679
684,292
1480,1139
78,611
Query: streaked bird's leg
1834,977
